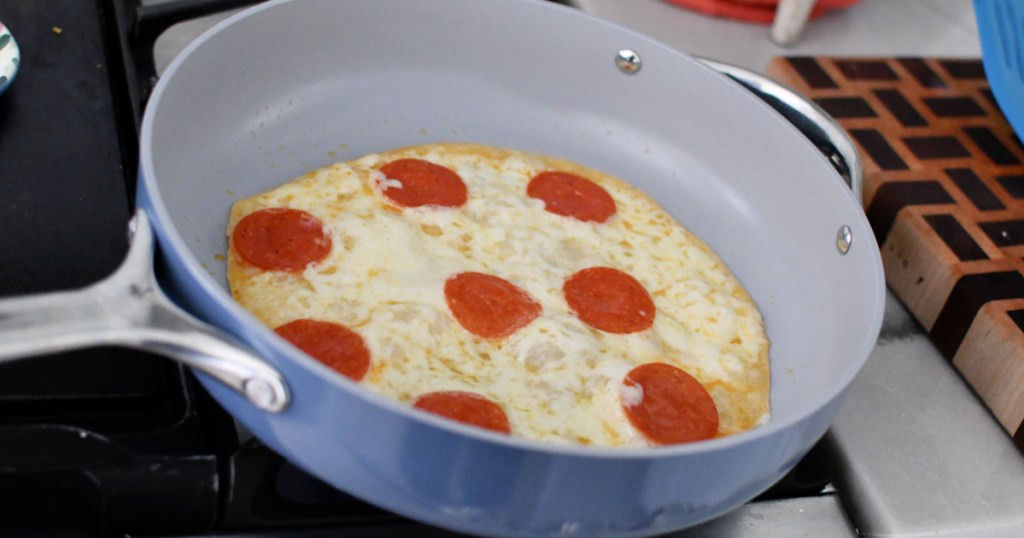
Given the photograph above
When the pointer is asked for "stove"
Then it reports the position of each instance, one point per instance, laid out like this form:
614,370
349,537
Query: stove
109,441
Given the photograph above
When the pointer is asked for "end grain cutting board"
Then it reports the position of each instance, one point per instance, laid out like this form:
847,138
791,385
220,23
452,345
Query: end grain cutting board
944,192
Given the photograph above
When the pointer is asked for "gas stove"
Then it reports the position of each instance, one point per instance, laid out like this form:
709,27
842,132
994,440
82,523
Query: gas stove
110,441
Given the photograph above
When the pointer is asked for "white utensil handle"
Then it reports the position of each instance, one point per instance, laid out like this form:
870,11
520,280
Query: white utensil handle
790,19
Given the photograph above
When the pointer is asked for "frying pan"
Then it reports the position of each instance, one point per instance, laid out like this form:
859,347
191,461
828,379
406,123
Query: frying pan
292,85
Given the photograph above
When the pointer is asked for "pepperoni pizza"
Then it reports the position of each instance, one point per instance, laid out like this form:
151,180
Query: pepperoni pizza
512,291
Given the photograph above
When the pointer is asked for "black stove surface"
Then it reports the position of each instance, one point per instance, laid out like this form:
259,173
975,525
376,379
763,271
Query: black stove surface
110,441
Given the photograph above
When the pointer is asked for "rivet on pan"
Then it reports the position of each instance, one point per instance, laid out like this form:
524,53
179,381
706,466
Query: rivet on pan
260,393
844,238
628,61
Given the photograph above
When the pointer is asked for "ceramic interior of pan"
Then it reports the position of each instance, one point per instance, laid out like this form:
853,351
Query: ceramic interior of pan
292,90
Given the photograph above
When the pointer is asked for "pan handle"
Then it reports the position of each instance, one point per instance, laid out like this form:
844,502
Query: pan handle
129,309
810,119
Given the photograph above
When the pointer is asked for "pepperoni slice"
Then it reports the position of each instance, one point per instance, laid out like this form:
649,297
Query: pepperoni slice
335,345
423,183
667,405
465,407
489,306
281,239
609,300
572,196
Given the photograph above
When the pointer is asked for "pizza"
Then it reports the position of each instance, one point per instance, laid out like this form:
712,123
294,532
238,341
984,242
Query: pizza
512,291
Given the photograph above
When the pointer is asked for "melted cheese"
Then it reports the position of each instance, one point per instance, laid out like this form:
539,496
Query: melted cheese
557,379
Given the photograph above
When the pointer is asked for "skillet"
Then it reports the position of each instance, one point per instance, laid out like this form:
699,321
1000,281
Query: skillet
292,85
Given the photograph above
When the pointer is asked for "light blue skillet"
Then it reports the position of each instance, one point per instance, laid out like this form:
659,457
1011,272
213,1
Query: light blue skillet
291,85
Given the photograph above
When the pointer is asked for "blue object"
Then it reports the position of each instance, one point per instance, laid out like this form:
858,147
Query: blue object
253,101
1001,30
10,56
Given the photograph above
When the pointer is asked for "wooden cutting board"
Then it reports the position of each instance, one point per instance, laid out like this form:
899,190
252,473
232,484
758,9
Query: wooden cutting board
944,193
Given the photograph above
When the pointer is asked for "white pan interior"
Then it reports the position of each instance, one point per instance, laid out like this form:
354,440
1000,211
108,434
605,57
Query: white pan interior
259,103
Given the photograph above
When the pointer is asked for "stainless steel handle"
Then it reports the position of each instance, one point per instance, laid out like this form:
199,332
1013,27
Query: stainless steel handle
813,122
129,309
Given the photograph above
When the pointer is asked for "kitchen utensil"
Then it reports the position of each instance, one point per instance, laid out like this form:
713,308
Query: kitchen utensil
291,85
1001,31
789,21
